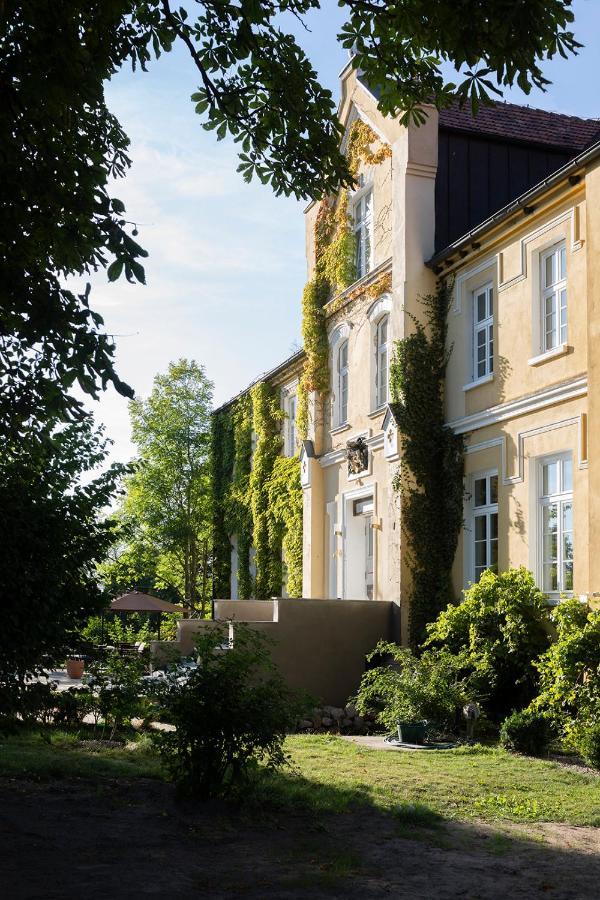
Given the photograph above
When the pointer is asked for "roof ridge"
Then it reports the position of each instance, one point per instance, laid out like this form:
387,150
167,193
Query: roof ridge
524,106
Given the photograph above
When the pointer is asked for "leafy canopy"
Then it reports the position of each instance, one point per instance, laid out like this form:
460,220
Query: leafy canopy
52,535
166,510
62,147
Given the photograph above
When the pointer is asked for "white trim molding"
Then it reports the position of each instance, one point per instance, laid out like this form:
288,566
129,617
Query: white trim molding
382,305
561,350
570,215
582,462
488,263
557,393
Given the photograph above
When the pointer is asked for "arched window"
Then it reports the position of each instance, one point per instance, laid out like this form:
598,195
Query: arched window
342,383
382,361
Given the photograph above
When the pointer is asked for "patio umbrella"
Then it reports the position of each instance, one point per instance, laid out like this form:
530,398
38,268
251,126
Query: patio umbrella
136,601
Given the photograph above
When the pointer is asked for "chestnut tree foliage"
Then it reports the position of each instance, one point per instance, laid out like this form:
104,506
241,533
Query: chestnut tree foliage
62,147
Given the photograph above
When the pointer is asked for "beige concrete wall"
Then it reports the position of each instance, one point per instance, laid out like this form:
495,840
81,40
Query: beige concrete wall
245,610
318,645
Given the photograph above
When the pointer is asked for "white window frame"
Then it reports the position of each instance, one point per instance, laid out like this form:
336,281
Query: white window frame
485,511
362,218
484,326
554,293
290,408
560,498
342,377
382,362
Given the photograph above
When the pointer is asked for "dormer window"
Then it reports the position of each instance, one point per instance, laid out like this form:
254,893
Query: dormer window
363,227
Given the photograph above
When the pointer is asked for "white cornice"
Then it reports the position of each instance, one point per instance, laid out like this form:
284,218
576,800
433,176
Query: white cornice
557,393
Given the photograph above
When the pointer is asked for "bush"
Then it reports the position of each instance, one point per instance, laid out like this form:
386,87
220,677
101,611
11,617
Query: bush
70,707
569,671
412,688
587,743
500,629
231,713
527,731
117,691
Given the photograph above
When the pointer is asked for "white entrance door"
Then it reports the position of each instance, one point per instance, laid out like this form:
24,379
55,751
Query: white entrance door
358,549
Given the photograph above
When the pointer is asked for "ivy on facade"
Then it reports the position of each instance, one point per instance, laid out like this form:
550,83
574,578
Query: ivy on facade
267,415
257,498
430,477
334,270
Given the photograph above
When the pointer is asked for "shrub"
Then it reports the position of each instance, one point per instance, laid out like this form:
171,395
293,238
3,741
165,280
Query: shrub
526,731
412,688
587,743
500,629
117,689
71,706
231,713
569,671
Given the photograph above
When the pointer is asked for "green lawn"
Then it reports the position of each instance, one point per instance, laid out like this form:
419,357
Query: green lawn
58,754
465,784
332,775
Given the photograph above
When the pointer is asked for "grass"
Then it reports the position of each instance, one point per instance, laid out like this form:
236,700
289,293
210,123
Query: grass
464,784
59,754
331,775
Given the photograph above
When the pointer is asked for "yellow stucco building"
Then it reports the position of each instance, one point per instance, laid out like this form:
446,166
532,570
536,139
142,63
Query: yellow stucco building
507,208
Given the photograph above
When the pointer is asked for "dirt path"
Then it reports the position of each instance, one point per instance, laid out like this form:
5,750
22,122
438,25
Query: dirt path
131,839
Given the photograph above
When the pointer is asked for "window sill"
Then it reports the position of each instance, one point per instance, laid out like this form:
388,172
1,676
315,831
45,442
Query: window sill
377,412
339,428
561,350
473,384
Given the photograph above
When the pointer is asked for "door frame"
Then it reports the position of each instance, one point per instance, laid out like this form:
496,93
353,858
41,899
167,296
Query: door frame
348,498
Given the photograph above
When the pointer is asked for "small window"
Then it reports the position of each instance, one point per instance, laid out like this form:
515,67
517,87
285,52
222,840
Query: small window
342,384
291,423
381,362
554,298
363,224
556,524
485,524
483,332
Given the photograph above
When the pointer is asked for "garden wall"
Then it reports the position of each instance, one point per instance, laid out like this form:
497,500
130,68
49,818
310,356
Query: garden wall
318,645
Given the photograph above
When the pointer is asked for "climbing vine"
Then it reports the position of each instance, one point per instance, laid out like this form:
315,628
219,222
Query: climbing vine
222,460
257,497
231,451
238,513
284,493
335,268
430,478
266,414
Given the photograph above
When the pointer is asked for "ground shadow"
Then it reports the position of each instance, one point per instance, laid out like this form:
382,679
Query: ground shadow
122,838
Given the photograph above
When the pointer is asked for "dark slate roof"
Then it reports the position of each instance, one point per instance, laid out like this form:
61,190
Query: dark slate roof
512,122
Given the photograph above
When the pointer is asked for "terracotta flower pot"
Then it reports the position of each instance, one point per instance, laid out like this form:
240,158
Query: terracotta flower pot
74,668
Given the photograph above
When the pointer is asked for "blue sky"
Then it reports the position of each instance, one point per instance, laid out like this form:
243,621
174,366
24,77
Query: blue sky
226,266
